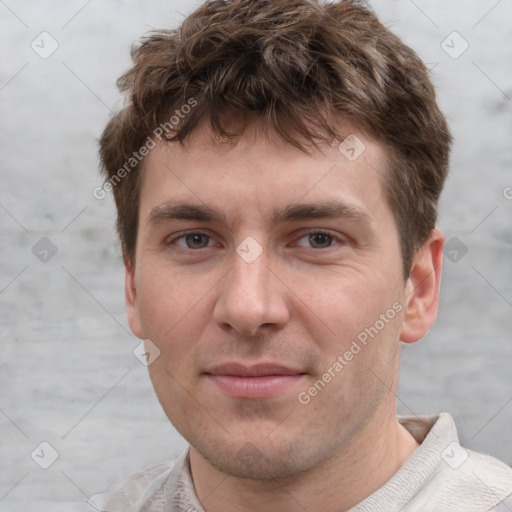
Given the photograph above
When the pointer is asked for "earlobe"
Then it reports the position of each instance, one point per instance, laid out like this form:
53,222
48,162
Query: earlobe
132,307
422,289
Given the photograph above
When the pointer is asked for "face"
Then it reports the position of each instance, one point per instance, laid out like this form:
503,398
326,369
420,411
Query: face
271,282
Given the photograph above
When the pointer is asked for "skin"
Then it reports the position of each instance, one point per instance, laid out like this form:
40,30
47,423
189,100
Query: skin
301,303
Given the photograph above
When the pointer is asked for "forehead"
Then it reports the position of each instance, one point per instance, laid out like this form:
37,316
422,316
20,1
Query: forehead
261,173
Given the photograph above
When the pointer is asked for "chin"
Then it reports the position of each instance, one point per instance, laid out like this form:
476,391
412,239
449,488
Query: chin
258,459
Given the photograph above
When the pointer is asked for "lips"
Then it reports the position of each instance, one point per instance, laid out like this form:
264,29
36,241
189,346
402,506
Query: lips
255,381
259,370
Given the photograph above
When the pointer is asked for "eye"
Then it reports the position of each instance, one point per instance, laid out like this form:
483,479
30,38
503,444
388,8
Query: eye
313,239
319,240
192,240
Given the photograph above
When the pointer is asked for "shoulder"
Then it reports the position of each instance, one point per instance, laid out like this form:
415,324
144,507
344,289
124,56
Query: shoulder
443,475
469,480
480,478
466,480
130,494
457,479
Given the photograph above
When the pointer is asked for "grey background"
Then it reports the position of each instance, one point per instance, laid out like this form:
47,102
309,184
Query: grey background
68,374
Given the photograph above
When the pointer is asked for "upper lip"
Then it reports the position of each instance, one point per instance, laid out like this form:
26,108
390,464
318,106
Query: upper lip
257,370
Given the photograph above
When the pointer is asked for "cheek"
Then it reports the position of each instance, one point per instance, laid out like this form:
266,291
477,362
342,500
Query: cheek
168,301
176,313
344,306
170,318
363,316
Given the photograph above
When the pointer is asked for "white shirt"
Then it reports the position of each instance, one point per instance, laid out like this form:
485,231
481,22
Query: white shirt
439,476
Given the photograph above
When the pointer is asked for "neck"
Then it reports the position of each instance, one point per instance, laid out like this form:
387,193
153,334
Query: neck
339,483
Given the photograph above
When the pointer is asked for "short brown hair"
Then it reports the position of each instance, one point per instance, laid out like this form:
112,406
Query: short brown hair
299,66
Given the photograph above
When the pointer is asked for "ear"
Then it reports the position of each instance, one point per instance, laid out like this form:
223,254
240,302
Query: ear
132,305
422,289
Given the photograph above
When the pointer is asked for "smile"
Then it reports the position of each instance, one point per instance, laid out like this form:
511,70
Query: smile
256,382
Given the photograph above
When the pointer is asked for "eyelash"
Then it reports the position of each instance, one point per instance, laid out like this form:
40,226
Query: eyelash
313,232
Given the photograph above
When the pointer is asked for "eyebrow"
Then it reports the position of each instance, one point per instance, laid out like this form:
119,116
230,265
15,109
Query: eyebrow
294,212
328,209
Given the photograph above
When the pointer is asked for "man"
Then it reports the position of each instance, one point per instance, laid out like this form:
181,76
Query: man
276,175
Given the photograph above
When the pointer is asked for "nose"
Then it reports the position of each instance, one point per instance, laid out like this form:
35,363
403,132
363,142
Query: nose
251,298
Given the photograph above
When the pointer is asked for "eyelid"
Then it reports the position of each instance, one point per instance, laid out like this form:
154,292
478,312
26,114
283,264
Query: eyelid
319,231
170,240
306,232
